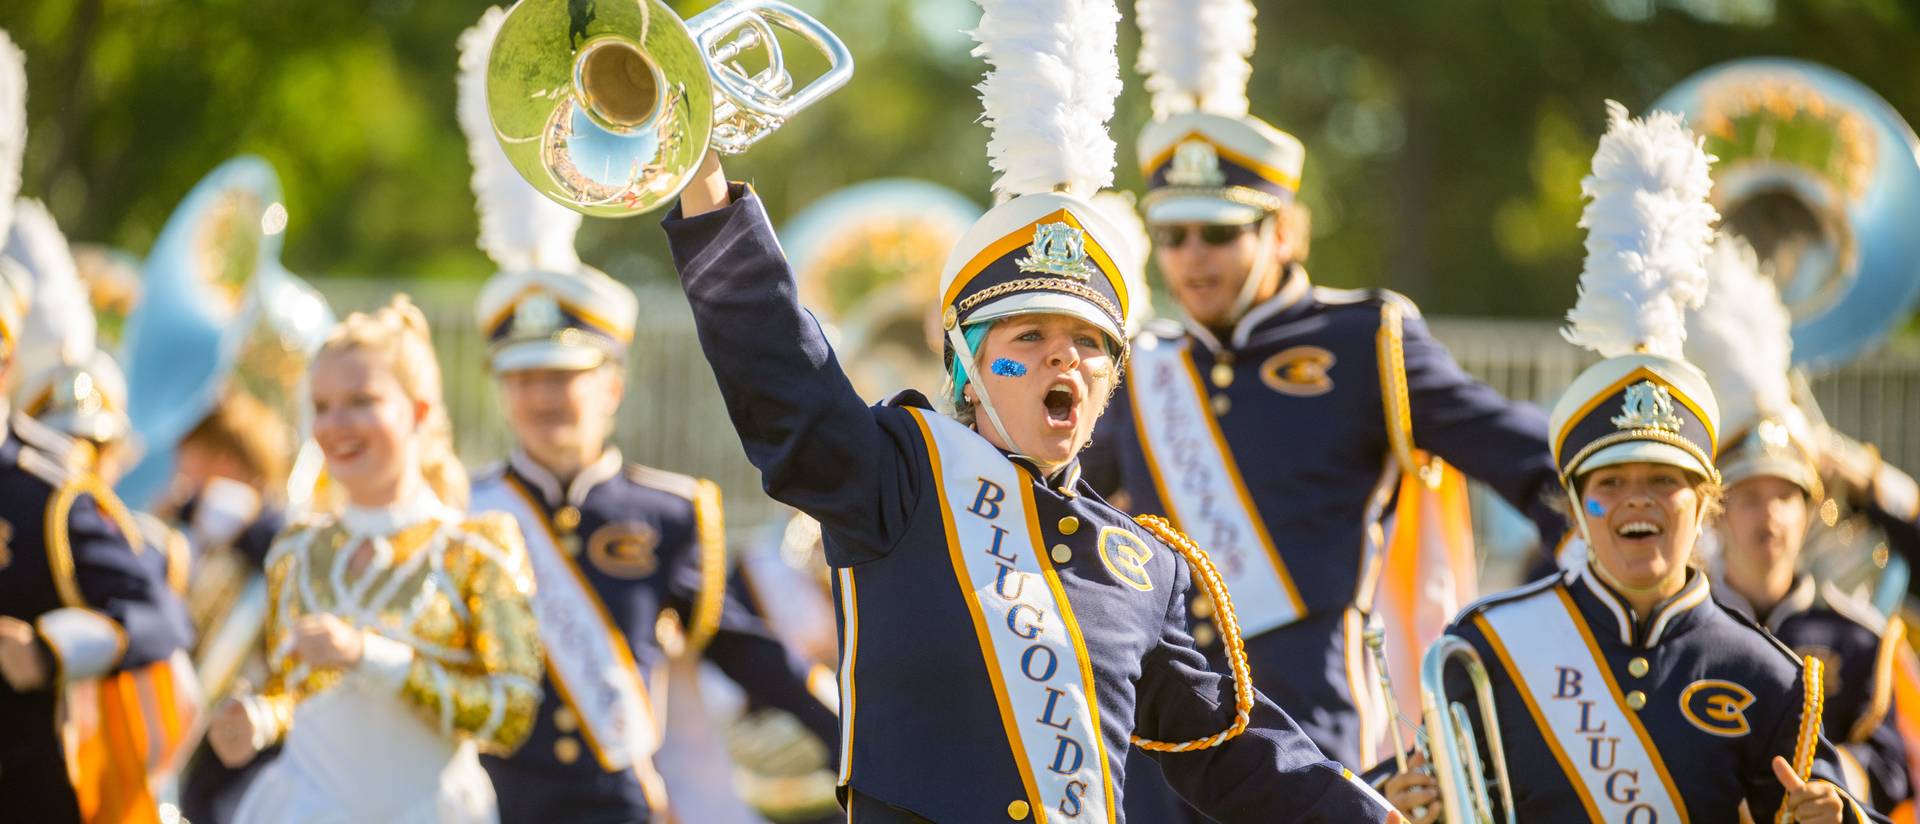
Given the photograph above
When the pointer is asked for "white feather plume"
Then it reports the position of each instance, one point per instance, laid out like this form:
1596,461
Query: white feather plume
60,326
1648,228
519,228
13,123
1053,76
1118,208
1742,337
1194,54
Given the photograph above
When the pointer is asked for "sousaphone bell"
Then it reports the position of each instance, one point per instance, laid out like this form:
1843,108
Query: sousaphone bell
608,108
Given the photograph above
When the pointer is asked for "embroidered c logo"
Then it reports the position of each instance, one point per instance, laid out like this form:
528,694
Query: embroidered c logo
1300,371
625,549
1717,707
1125,557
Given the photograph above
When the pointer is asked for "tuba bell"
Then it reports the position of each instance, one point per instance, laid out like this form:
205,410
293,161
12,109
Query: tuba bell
1820,175
219,322
609,108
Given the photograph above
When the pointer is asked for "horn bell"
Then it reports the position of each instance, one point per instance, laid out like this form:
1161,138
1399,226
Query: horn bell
608,111
1821,176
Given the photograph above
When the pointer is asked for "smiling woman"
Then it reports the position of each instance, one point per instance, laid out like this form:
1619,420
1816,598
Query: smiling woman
399,635
1724,720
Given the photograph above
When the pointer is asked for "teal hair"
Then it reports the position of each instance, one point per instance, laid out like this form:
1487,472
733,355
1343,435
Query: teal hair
975,334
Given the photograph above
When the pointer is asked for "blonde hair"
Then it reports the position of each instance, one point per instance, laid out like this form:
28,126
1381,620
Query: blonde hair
397,334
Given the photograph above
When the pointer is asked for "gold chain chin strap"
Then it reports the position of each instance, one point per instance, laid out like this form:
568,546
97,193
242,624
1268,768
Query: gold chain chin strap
1216,589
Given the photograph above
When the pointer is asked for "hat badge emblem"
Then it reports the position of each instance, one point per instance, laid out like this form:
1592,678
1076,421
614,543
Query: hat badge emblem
1772,435
1648,406
1060,250
1196,163
536,316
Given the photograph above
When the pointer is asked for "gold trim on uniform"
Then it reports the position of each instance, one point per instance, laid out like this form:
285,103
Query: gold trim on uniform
710,531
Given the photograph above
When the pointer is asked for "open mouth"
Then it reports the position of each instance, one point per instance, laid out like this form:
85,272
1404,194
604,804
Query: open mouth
1060,401
345,451
1638,531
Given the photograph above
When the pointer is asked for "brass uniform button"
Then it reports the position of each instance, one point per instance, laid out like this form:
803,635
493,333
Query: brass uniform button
567,519
1222,372
1202,607
1017,810
1069,525
949,318
1221,404
1203,634
564,720
567,750
1637,667
1636,699
1061,554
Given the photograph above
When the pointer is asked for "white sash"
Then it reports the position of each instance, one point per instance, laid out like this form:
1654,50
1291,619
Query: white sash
587,655
1034,652
1201,486
1548,650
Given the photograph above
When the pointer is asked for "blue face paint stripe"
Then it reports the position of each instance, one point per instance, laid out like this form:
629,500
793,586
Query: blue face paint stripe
1009,368
1595,509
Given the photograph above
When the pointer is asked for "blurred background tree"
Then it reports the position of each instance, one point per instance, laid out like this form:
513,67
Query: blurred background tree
1446,140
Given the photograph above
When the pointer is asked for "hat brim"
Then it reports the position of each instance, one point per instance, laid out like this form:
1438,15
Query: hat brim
99,427
1048,303
1787,469
1656,452
546,354
1200,209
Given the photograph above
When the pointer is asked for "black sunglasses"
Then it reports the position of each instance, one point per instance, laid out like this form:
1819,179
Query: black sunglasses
1212,234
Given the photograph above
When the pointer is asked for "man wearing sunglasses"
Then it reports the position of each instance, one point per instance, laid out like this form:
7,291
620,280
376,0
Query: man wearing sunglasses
1274,422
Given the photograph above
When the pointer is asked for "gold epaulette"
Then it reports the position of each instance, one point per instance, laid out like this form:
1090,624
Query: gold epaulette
710,539
60,543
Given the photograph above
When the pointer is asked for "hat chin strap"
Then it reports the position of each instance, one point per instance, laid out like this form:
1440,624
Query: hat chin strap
965,352
1262,267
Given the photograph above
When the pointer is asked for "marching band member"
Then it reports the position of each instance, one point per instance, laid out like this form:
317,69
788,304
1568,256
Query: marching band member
399,634
1005,634
1274,422
1623,691
1770,469
76,599
614,546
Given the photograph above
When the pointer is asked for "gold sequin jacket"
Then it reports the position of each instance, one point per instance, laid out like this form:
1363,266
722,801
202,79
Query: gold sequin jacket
453,589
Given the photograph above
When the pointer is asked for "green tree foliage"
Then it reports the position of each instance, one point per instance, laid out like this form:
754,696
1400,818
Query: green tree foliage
1445,140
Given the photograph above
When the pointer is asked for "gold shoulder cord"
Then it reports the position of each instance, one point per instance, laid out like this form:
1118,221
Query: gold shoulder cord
710,533
1215,588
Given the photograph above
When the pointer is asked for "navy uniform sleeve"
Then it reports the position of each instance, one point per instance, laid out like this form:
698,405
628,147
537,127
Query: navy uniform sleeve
96,570
768,672
1763,790
748,652
1883,757
1270,772
818,446
1499,442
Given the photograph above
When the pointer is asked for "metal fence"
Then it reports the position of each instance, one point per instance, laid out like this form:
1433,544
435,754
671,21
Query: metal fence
673,417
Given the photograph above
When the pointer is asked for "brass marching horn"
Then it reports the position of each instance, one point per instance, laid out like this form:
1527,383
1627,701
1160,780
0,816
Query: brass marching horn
608,108
1467,791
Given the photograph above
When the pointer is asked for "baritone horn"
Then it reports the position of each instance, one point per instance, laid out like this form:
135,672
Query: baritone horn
608,108
1467,791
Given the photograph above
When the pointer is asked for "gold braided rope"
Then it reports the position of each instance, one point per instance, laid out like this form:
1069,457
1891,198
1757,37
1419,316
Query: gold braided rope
1229,621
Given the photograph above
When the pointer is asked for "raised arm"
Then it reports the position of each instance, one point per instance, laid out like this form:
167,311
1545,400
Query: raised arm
818,446
1500,442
